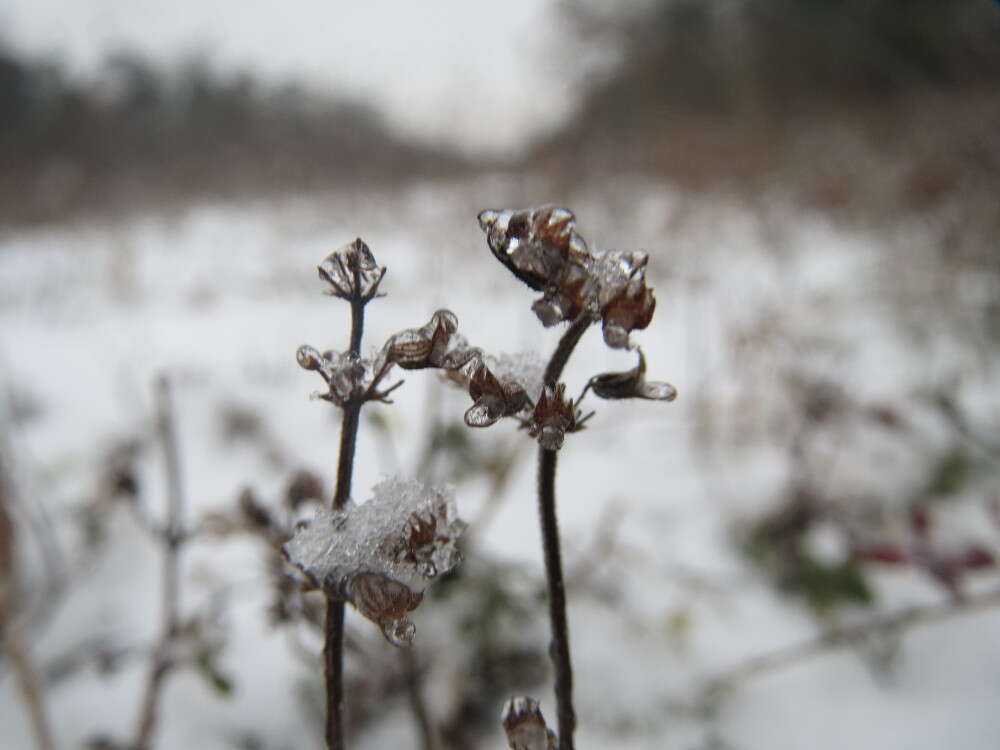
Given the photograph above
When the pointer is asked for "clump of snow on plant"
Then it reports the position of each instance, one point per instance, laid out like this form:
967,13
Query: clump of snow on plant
381,555
525,368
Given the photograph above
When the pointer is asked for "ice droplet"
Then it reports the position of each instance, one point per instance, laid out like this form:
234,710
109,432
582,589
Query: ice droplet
657,391
616,337
399,632
484,412
308,358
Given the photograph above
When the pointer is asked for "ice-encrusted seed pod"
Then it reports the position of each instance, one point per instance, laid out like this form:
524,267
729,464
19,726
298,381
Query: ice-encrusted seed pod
308,358
494,398
542,248
525,726
427,346
553,417
381,555
534,244
631,384
351,271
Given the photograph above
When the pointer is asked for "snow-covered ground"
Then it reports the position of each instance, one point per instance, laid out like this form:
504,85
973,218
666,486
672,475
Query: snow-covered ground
220,297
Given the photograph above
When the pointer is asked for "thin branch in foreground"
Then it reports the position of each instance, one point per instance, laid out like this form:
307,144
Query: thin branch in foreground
841,637
359,292
173,538
11,639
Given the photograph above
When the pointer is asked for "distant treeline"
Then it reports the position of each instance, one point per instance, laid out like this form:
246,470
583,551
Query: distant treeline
710,90
718,57
136,133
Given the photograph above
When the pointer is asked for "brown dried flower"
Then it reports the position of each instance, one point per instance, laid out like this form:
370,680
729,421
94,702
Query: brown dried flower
494,397
553,417
433,345
542,248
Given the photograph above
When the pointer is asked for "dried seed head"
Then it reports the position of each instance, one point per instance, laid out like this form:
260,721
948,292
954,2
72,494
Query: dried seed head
553,417
631,384
347,376
542,248
352,272
525,726
494,398
382,554
427,346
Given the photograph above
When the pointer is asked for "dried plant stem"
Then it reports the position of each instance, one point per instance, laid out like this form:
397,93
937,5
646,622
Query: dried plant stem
844,636
559,647
333,645
418,705
27,679
173,539
11,641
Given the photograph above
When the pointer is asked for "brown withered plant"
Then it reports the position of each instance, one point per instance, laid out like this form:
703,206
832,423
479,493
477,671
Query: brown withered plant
579,287
380,555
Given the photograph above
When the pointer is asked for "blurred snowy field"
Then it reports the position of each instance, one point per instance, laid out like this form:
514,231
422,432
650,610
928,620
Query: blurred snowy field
220,297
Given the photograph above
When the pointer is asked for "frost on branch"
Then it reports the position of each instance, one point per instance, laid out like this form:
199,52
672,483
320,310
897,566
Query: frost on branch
381,555
525,726
542,248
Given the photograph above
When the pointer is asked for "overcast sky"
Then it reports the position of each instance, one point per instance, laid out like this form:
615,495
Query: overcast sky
476,73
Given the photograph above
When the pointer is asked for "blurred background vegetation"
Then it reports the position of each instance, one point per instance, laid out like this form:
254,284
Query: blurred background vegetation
822,99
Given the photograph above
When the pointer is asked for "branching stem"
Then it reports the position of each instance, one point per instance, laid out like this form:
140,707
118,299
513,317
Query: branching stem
333,647
559,647
849,634
172,538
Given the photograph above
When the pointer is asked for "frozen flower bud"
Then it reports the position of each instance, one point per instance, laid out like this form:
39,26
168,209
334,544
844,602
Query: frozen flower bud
494,398
554,416
352,272
624,301
631,384
542,248
525,726
346,375
381,555
427,346
308,358
534,244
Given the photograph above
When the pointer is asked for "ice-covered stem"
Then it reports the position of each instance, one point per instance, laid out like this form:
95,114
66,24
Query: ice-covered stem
333,641
559,648
173,539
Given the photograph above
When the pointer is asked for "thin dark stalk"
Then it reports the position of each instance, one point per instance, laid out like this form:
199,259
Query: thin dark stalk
559,647
12,642
415,693
333,646
567,344
173,538
27,680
